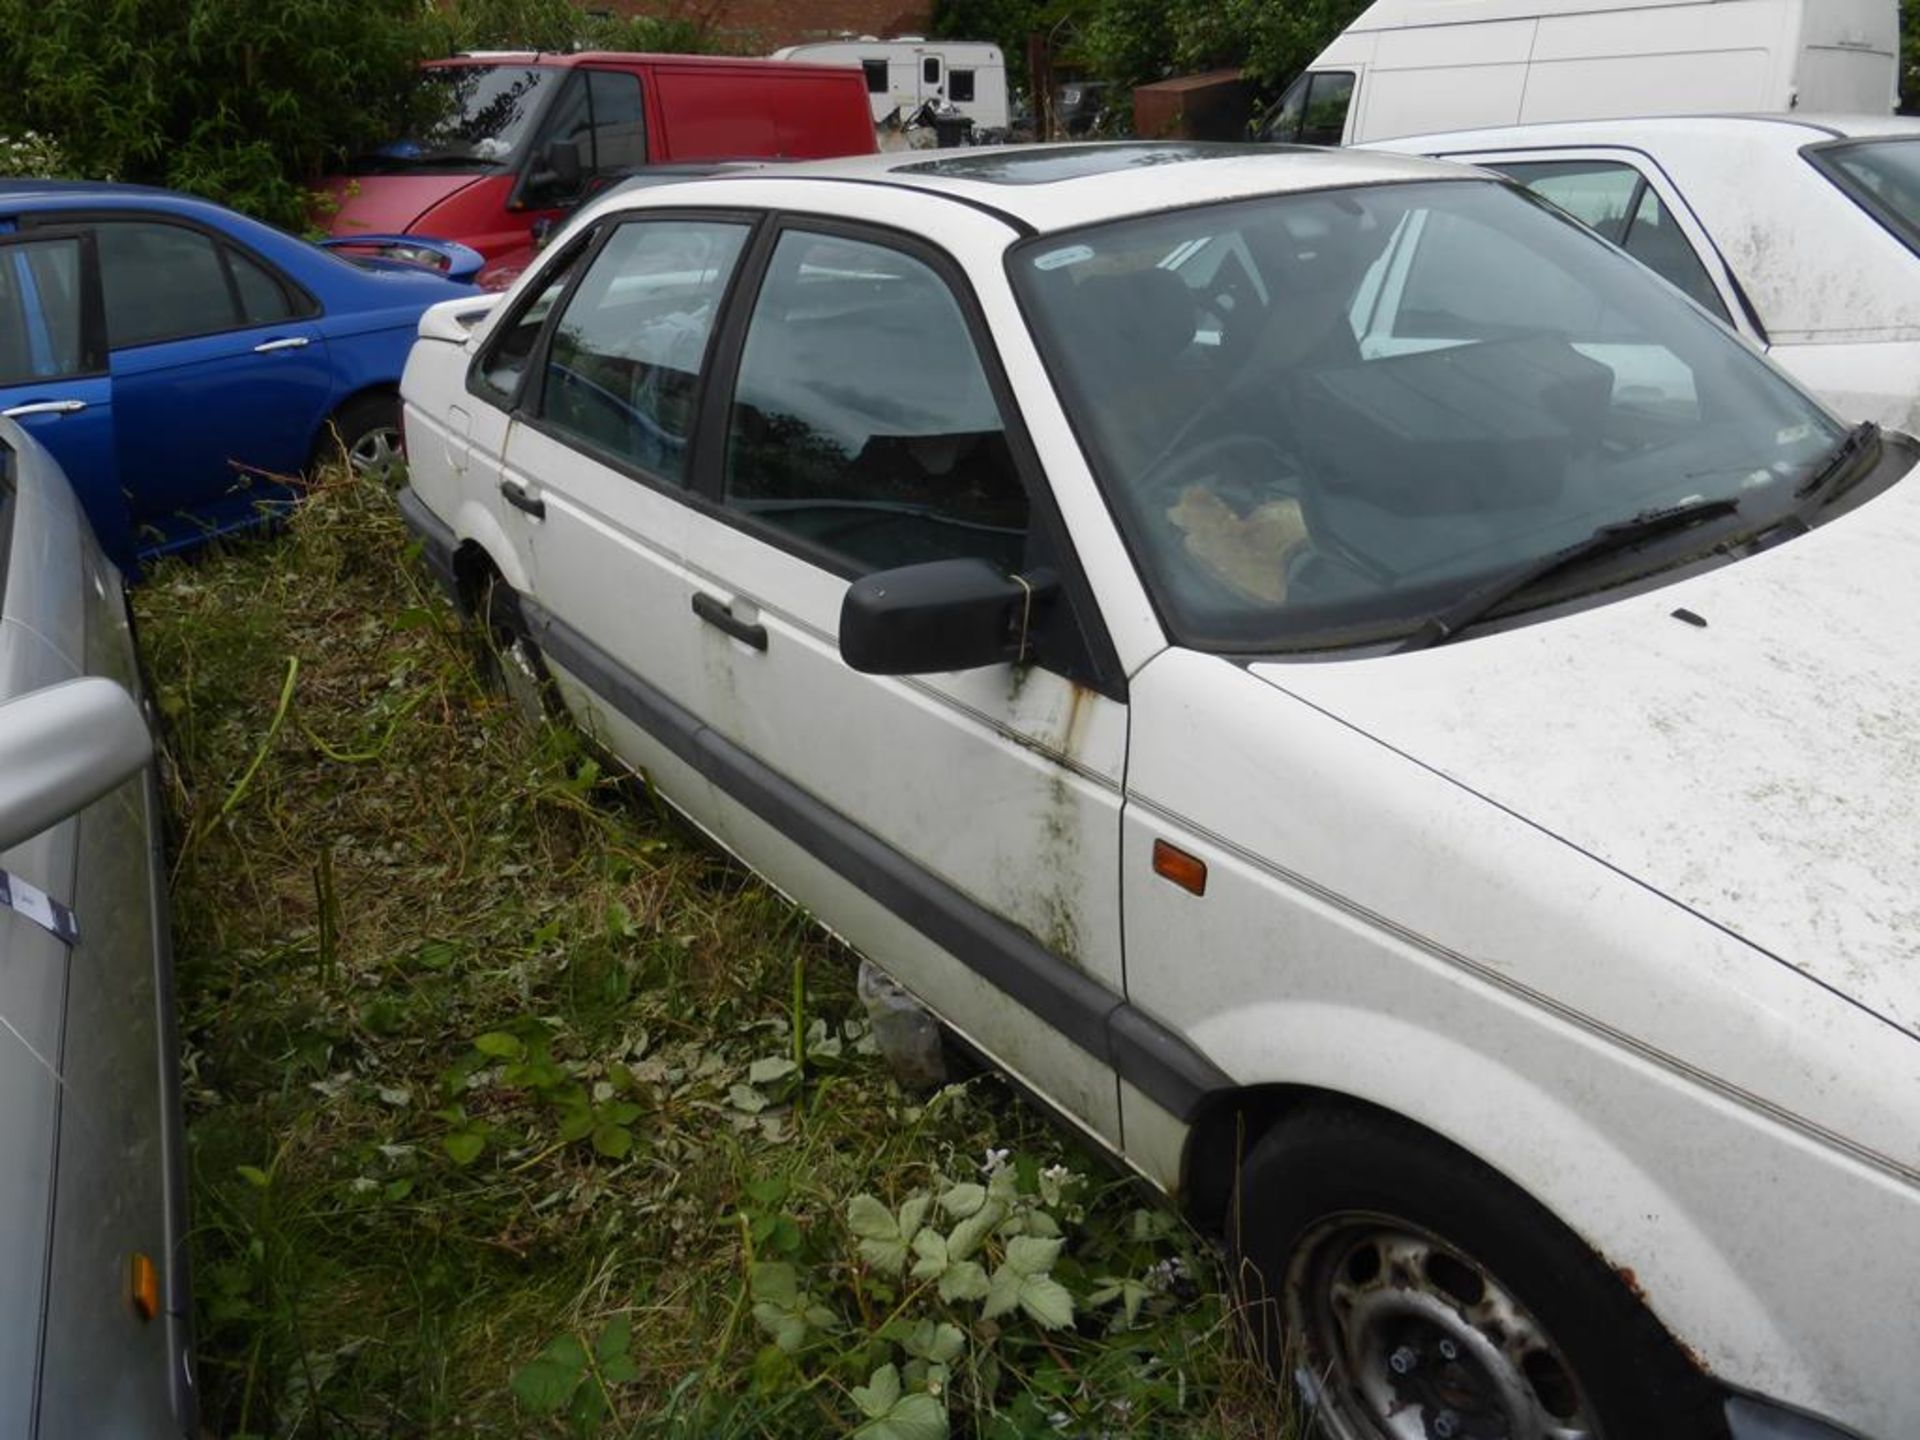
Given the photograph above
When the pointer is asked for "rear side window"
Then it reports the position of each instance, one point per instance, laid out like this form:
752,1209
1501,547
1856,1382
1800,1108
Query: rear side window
1616,200
863,425
262,298
623,368
876,73
162,282
41,330
960,85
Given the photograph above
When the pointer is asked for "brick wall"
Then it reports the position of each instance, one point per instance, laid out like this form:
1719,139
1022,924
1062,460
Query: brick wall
759,26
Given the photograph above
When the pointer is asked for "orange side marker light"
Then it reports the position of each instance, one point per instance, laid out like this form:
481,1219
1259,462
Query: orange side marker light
1189,872
144,1288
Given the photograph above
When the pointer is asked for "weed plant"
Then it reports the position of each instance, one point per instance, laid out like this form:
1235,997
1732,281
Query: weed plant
514,1109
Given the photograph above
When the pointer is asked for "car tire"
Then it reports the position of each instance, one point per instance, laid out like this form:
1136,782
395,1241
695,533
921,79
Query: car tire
366,433
511,659
1410,1291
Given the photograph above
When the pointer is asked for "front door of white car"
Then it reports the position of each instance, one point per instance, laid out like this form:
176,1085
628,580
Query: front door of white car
857,423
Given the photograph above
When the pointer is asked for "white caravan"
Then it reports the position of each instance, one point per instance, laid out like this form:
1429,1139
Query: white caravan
970,75
1408,67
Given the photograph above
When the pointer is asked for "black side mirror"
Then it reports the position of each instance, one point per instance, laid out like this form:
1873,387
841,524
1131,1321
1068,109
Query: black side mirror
564,172
940,616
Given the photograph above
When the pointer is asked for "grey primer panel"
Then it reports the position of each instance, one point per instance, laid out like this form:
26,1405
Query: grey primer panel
1154,1060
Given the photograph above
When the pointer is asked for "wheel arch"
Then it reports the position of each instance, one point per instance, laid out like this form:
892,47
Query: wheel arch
324,434
1585,1179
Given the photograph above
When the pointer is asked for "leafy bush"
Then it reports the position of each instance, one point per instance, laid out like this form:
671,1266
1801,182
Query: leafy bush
250,101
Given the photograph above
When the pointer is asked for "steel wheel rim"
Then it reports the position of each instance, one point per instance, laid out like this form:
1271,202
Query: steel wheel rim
1394,1334
376,452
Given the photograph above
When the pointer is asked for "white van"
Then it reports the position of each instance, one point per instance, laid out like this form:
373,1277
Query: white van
1408,67
971,75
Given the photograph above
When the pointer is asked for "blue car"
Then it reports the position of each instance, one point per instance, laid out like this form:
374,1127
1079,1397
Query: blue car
184,363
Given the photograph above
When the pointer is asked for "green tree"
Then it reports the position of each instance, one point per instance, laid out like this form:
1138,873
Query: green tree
249,102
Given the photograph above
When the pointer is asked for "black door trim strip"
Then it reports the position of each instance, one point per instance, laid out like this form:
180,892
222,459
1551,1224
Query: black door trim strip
1154,1060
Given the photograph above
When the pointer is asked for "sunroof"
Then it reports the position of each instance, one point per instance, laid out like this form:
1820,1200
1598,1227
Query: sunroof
1069,162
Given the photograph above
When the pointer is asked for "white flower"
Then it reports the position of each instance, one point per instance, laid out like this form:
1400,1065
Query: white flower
996,1161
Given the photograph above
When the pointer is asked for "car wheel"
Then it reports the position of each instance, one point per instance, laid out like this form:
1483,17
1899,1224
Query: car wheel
512,661
1412,1293
366,431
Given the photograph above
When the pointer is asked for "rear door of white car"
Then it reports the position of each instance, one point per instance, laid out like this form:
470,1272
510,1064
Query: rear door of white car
594,461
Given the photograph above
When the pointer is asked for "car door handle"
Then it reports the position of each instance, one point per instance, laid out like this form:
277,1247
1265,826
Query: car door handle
44,407
716,613
291,342
520,499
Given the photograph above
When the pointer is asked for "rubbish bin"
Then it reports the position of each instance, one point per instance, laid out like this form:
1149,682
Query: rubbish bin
952,130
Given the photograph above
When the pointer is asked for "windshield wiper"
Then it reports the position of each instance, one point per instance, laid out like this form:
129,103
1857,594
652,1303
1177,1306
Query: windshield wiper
1840,464
1476,604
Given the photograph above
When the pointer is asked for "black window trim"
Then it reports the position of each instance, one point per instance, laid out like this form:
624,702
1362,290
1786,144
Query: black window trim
1049,544
1822,156
302,304
577,252
528,407
96,359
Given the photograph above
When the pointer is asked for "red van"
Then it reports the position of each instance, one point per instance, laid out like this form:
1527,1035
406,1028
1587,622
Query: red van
506,140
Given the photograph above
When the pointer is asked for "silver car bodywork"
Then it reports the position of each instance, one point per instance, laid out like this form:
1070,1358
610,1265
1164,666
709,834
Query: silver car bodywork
89,1084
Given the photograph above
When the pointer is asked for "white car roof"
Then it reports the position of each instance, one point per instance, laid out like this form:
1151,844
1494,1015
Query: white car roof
1789,131
1055,187
1816,267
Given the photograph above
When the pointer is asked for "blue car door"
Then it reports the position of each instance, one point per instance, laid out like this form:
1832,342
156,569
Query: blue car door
220,379
53,369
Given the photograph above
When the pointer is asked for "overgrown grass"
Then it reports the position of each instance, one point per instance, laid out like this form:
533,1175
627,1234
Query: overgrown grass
515,1110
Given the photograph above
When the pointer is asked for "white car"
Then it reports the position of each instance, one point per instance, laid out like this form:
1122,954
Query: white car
1801,232
1337,679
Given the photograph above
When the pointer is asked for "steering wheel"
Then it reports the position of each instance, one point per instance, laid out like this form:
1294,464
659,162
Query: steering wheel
1177,464
1161,488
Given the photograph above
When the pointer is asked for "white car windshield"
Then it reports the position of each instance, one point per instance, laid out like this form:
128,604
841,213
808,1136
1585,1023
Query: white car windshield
1321,417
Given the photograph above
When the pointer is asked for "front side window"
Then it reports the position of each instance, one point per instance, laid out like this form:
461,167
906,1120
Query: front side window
1323,417
623,367
503,363
960,86
1313,111
41,329
619,127
1882,176
863,425
1617,202
876,73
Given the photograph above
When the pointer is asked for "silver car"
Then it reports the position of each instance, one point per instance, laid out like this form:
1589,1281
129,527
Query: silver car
94,1329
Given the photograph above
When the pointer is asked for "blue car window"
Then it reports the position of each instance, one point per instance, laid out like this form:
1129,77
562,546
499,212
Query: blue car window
262,298
162,282
623,368
41,335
